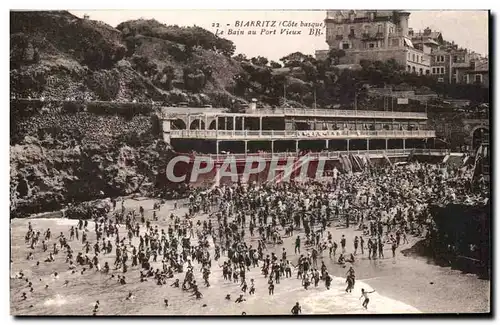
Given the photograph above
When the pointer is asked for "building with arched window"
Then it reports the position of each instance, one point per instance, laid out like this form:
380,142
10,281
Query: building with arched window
375,35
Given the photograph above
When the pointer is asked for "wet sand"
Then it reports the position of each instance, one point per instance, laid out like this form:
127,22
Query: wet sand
402,283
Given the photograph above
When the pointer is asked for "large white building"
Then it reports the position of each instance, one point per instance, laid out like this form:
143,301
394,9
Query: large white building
375,35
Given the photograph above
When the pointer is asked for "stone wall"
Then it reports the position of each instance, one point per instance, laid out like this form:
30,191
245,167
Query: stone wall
82,127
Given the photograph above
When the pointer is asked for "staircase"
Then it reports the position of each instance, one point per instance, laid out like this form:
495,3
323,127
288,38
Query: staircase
289,172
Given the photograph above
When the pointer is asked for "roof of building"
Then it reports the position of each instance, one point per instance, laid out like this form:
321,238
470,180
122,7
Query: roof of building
190,110
482,66
432,34
363,15
424,41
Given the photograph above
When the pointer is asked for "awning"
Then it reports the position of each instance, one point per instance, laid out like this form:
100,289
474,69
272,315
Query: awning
408,43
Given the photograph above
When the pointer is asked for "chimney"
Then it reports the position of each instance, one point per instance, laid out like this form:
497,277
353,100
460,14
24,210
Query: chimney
253,105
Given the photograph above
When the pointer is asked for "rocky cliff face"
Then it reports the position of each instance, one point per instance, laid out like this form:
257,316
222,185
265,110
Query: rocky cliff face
109,156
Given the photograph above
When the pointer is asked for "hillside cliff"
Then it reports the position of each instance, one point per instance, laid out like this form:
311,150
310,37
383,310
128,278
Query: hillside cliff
56,55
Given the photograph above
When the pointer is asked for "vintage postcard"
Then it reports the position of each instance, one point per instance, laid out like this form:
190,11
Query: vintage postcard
267,162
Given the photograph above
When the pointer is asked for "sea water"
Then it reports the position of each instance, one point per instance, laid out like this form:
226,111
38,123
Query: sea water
315,300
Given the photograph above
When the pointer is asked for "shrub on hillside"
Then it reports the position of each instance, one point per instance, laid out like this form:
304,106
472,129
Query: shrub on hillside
106,84
194,79
194,36
164,79
144,65
176,52
102,55
222,99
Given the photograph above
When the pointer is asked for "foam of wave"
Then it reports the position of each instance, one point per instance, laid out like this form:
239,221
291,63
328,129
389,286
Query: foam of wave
337,301
58,300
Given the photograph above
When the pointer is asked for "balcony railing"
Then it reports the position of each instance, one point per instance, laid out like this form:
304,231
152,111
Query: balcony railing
396,32
340,113
330,154
372,36
298,135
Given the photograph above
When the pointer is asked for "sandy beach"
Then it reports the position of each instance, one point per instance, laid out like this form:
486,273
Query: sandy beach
403,284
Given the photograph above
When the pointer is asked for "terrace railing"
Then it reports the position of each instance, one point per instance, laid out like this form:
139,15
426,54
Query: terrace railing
332,154
340,113
298,135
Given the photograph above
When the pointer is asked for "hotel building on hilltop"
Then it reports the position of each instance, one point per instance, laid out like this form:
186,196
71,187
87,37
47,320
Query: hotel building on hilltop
375,35
380,35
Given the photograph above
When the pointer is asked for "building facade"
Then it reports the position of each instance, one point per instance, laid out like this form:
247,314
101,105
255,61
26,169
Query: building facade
375,36
478,73
449,64
428,38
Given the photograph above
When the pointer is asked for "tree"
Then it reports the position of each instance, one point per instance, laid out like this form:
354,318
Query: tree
207,70
260,61
310,71
226,47
242,83
334,56
144,65
240,57
194,79
296,59
275,65
166,77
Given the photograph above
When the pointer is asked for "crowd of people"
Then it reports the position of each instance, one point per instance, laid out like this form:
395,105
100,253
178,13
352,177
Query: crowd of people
239,224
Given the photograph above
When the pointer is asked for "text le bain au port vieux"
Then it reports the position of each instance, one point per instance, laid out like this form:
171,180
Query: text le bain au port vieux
269,28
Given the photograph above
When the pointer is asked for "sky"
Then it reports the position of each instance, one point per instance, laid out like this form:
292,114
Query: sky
467,28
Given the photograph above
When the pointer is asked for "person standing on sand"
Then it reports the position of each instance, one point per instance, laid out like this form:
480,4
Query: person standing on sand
342,243
370,247
367,300
380,248
297,245
405,240
356,243
362,243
